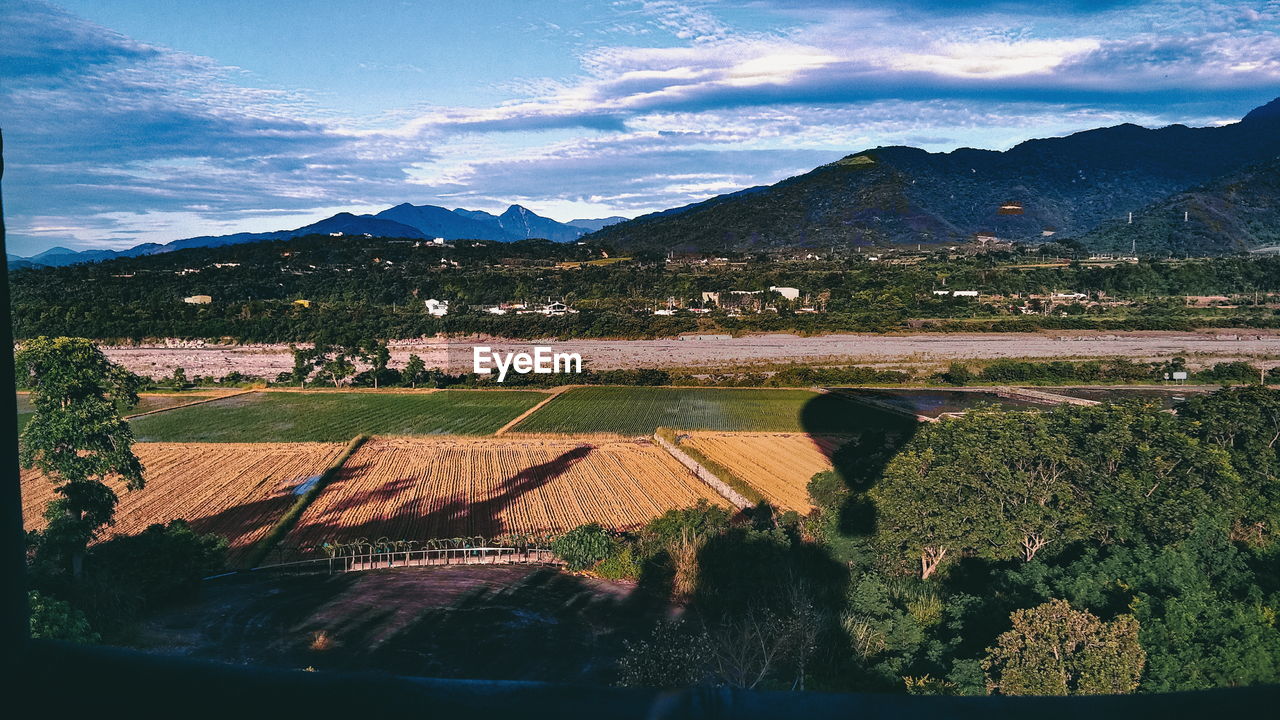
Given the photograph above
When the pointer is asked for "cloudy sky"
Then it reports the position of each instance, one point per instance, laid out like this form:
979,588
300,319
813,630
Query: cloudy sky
152,120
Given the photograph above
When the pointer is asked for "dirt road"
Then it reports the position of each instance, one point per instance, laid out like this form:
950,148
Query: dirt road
718,351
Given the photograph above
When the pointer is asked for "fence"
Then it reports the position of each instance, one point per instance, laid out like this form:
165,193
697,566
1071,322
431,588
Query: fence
492,555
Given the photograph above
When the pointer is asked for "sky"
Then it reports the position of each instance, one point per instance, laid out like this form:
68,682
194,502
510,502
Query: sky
153,120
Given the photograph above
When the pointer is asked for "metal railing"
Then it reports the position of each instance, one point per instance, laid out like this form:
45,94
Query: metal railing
441,556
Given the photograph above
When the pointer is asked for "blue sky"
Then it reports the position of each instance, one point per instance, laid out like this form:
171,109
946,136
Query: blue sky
150,120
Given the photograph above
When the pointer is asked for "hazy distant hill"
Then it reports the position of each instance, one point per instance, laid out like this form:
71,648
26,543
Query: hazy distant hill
401,221
436,221
1065,186
593,224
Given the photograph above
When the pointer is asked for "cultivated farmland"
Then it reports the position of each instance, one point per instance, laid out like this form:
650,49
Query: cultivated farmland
146,403
634,411
336,416
422,488
778,465
234,490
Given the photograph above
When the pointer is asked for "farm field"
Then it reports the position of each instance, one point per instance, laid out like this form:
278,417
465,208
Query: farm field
234,490
632,411
146,403
778,465
423,488
338,416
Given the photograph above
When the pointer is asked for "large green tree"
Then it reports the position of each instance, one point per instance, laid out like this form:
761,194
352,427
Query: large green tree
1148,480
1245,422
989,483
76,436
1055,650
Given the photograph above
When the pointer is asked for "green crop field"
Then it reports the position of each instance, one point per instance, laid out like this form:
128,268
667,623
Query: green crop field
146,403
323,417
640,410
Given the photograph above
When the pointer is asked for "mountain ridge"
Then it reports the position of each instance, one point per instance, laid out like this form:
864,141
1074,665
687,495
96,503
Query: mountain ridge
401,221
1062,187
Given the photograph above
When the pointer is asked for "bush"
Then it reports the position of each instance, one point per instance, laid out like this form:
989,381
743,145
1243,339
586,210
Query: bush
53,619
621,565
584,546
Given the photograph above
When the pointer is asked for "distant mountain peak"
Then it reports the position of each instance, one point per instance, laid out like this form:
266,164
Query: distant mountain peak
1270,111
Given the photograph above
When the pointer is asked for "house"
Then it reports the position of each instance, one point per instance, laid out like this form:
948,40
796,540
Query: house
711,297
985,238
555,309
302,303
438,308
335,234
965,293
941,292
198,300
789,293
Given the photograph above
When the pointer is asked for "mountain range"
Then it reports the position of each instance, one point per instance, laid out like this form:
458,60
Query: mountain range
1077,187
401,221
1206,190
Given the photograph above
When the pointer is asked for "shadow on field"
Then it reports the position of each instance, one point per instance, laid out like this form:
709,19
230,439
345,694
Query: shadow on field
878,434
514,622
399,515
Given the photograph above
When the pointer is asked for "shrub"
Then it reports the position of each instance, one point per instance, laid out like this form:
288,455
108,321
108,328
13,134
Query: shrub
621,565
53,619
584,546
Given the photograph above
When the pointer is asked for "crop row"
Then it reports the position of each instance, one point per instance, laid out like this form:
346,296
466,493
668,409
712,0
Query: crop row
231,489
778,465
416,489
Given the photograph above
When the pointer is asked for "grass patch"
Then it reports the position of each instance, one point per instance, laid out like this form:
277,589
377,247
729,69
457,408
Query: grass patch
335,416
634,411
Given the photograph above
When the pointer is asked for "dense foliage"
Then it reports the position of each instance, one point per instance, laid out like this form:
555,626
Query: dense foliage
362,288
1112,548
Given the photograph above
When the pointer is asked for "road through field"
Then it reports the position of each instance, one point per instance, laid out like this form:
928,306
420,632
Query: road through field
1201,347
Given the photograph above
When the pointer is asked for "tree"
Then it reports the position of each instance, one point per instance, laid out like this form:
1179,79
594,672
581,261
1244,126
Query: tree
1245,422
1055,650
303,364
378,355
1147,478
990,483
179,378
334,361
414,370
76,437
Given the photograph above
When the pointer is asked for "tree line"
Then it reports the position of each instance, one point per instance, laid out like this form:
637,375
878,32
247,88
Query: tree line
373,287
1080,550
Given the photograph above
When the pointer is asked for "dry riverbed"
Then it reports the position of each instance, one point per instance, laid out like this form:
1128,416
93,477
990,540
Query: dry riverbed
708,352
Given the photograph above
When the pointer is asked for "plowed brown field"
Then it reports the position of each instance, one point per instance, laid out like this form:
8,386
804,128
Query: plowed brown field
236,490
779,465
417,489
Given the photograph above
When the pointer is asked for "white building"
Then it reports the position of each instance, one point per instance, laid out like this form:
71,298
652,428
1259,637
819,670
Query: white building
965,293
789,293
438,308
